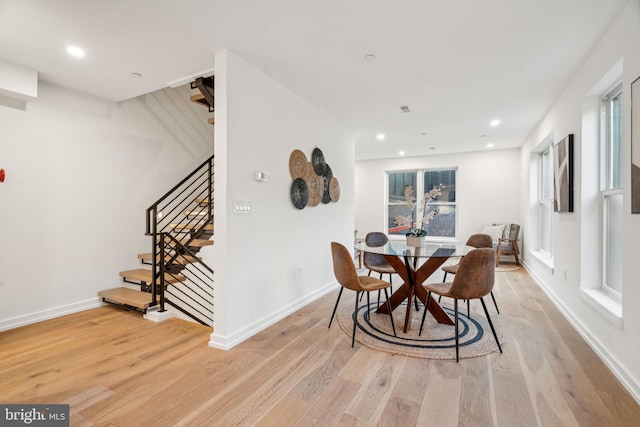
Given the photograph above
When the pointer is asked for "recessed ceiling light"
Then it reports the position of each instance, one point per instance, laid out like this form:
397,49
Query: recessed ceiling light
138,75
400,153
370,58
495,122
490,145
432,148
424,133
75,51
380,136
483,136
404,109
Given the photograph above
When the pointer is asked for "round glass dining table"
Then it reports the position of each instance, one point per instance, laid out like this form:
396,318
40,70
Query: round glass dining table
414,264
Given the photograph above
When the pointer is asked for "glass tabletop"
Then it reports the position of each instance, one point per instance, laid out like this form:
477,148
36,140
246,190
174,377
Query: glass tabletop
426,250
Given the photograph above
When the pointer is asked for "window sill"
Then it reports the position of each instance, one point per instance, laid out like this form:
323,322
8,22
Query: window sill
608,307
544,258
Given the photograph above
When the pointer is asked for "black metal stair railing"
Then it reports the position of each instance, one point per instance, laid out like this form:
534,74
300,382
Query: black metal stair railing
180,223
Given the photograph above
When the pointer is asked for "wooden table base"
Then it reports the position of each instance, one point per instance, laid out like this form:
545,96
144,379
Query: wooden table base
412,285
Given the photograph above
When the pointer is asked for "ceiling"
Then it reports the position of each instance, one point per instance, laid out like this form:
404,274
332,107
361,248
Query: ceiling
457,65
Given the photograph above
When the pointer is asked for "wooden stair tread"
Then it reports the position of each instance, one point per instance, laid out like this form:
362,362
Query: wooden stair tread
199,99
186,226
202,200
211,121
200,213
180,259
127,296
198,242
144,275
195,242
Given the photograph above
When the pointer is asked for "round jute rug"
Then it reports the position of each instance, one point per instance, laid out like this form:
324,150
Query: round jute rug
437,340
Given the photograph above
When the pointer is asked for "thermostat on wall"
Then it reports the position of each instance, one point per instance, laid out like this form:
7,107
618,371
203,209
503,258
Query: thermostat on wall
261,176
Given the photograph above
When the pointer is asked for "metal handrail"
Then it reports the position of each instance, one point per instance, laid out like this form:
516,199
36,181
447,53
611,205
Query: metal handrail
166,247
209,161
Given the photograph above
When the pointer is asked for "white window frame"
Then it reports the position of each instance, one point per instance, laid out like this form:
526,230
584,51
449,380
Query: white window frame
608,190
419,191
545,201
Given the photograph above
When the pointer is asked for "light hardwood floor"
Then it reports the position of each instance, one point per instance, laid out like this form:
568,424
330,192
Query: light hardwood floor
115,368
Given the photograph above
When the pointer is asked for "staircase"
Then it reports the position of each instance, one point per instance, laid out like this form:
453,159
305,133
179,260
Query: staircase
204,96
180,225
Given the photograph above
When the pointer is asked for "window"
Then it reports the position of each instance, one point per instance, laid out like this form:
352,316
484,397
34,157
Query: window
444,223
545,201
611,191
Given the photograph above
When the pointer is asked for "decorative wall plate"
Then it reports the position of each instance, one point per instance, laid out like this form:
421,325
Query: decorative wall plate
328,174
316,186
334,189
299,193
317,158
298,164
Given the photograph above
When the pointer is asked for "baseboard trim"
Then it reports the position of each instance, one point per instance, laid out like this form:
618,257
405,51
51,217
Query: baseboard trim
51,313
228,342
627,379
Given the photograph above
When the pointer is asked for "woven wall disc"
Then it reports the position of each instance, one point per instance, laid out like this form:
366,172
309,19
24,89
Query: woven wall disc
317,158
334,189
316,186
298,164
299,193
328,174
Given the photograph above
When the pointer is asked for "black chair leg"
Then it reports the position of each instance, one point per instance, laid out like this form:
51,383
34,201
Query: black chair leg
355,314
336,306
368,303
491,324
444,279
494,302
455,307
393,325
424,315
468,309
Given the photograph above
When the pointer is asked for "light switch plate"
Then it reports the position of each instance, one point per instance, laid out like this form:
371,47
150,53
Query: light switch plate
242,206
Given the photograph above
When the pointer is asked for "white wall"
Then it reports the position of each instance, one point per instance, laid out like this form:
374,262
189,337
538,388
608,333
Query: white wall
256,256
485,188
81,172
573,240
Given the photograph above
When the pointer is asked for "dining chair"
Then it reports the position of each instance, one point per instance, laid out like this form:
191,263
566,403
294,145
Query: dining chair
357,253
508,243
476,241
345,271
376,262
473,280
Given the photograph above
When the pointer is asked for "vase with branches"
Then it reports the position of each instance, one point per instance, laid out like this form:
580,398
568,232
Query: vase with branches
418,228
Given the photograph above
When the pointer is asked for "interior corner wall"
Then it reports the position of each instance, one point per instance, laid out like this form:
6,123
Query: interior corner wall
80,173
619,348
485,193
272,261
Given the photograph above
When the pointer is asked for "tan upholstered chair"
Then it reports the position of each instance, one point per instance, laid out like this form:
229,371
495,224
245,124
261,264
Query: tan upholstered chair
508,243
357,253
345,271
473,280
476,241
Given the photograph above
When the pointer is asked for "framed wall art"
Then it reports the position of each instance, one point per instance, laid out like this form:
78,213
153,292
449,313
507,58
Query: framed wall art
635,146
563,175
